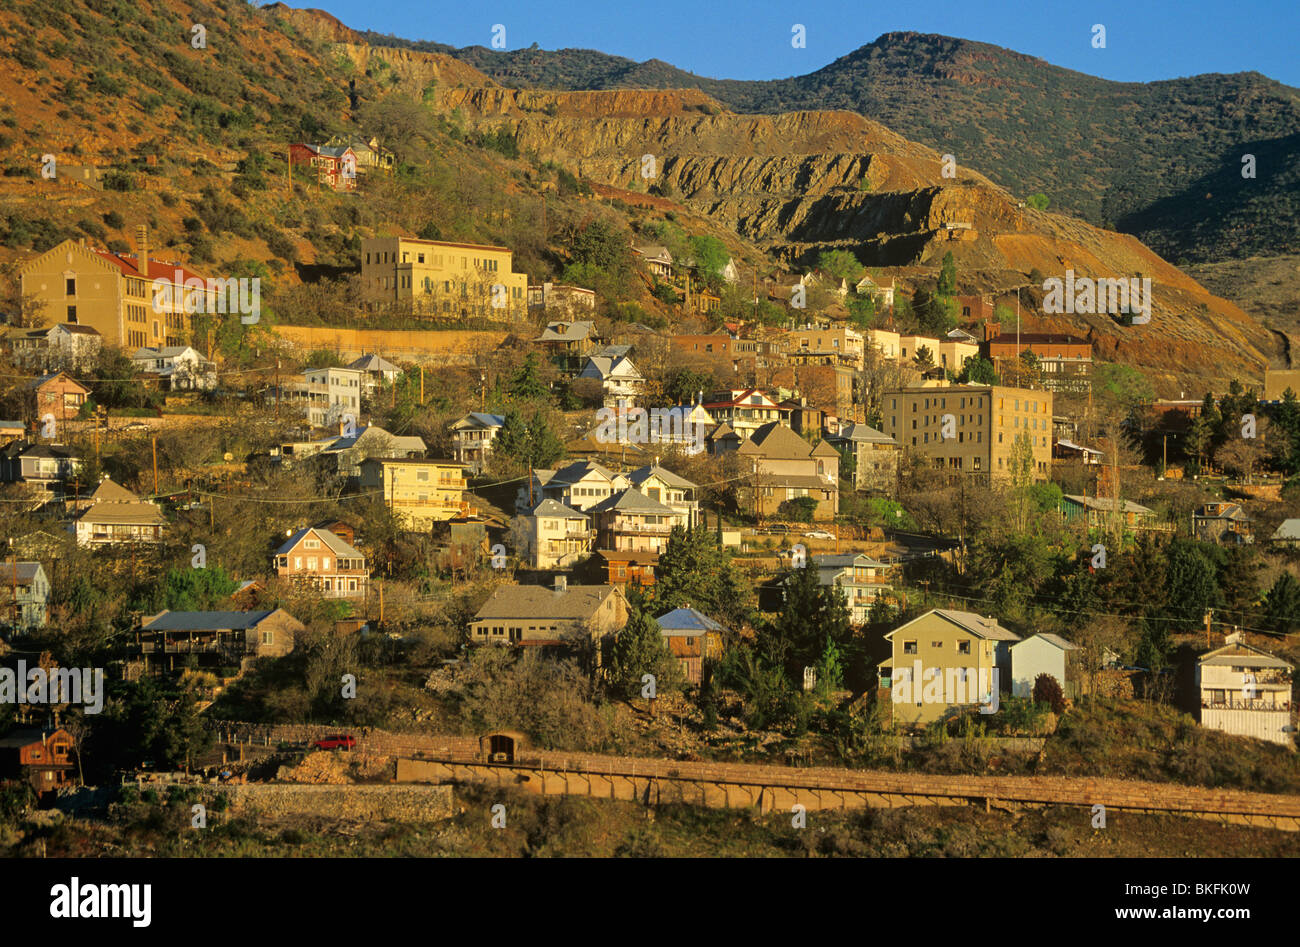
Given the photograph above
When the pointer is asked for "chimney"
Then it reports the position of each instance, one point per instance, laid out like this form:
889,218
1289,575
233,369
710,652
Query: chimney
142,250
561,583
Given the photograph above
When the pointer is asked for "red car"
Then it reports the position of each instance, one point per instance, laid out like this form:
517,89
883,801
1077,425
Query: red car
337,741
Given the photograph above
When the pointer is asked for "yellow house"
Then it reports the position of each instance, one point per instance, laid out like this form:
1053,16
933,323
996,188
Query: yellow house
113,293
945,662
420,492
450,280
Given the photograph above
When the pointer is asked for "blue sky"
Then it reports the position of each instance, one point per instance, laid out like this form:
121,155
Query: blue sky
1145,39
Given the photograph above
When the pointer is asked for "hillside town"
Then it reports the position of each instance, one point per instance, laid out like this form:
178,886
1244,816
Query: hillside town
591,483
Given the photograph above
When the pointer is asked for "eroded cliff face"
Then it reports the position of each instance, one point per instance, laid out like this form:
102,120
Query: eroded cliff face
798,183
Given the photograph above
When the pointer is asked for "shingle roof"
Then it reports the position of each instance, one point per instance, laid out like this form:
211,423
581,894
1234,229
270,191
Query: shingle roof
687,620
633,500
1106,504
642,474
373,363
862,433
977,625
206,621
556,508
776,441
541,602
335,543
1052,639
478,419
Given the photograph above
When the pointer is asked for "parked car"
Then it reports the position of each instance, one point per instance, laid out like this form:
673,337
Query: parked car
337,741
819,534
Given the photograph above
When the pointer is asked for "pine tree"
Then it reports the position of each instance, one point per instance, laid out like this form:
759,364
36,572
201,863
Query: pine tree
639,649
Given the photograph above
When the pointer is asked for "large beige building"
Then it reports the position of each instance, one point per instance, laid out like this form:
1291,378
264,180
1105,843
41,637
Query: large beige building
971,428
420,492
113,293
449,280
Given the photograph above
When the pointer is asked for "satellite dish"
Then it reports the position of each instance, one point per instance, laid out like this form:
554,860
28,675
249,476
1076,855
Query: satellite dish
228,456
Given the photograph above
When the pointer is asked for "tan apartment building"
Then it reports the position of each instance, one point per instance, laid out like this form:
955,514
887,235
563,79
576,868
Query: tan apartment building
839,344
971,428
113,293
448,280
783,466
116,515
318,560
420,492
629,521
942,663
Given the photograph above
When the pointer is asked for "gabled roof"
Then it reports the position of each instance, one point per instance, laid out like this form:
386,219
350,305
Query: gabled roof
845,561
478,420
687,621
822,449
25,571
1106,504
577,602
111,492
775,440
1238,652
1051,639
603,366
1288,529
566,332
210,621
46,379
331,540
373,363
75,328
572,473
549,507
642,474
342,442
632,500
977,625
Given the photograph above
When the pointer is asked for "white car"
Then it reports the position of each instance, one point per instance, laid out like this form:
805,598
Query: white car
819,534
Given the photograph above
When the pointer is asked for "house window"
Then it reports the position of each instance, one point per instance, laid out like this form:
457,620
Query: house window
268,637
909,647
70,286
963,647
72,314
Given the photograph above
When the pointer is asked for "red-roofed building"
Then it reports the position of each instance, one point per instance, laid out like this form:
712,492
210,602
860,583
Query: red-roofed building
113,293
336,167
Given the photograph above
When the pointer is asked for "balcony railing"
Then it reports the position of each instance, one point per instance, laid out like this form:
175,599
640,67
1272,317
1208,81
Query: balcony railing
1242,704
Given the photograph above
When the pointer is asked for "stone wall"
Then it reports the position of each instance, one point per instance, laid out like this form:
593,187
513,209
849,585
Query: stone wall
399,803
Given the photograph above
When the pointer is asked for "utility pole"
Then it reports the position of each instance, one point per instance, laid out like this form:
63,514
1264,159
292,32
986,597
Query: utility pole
421,384
154,439
277,389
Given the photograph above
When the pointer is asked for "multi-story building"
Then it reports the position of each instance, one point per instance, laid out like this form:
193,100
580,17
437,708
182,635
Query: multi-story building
44,759
783,466
569,343
559,298
341,454
472,437
114,294
49,471
55,398
447,280
1246,691
420,492
875,455
885,342
27,589
555,536
171,641
663,486
1225,523
861,579
743,410
116,515
942,663
971,429
563,618
318,560
629,521
835,345
1064,361
335,165
579,486
176,368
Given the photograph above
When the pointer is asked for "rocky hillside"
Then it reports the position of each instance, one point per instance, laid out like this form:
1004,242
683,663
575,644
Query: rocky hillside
1160,160
802,182
188,139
